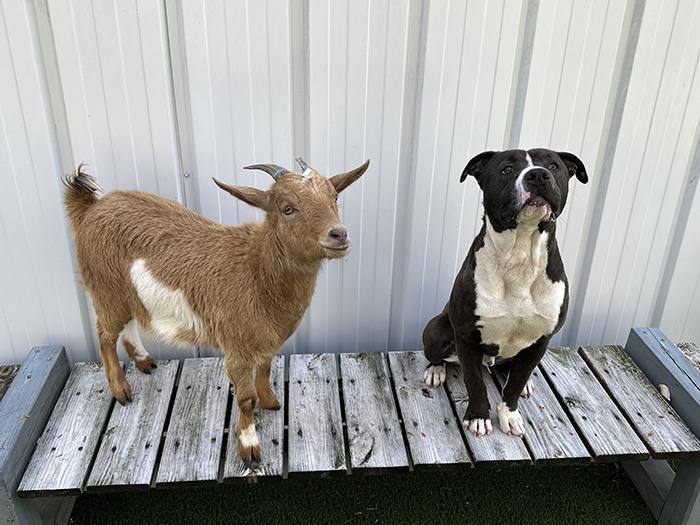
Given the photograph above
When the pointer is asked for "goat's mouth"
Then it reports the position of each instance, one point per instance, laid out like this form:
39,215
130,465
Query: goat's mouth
335,250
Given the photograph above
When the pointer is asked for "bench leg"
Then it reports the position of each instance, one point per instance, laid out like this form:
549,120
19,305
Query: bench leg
653,480
682,504
34,511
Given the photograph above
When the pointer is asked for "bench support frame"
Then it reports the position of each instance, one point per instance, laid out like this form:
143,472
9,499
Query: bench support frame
672,498
24,412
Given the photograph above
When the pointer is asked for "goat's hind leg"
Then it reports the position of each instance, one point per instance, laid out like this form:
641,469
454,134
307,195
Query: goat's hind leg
134,347
241,376
268,399
108,336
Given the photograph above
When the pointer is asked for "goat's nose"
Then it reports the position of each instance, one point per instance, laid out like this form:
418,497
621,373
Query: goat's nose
339,234
538,176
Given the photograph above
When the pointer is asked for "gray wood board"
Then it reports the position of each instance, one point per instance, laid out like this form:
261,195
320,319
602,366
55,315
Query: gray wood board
127,455
661,429
496,448
65,450
374,430
315,424
549,434
432,431
270,428
195,433
599,421
24,411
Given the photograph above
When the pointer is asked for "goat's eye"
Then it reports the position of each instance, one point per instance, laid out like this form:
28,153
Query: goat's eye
553,167
287,210
507,170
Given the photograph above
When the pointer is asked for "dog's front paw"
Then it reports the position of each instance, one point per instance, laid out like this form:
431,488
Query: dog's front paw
477,426
510,421
528,390
434,375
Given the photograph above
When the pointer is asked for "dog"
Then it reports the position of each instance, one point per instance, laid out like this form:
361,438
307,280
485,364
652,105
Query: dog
511,294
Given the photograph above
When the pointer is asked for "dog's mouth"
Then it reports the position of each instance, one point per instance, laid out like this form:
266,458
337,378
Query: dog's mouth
535,207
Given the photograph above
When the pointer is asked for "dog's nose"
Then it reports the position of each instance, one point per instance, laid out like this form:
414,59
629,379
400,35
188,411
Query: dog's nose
339,234
538,176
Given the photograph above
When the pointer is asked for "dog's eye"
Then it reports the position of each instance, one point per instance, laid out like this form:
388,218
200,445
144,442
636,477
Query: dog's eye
553,167
507,170
287,210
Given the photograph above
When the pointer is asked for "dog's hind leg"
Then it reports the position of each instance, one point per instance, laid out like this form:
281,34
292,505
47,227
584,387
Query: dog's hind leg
439,348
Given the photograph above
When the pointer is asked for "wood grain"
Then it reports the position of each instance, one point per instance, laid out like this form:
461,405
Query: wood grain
270,427
655,421
194,439
599,421
374,430
127,455
65,450
315,425
496,448
432,431
549,434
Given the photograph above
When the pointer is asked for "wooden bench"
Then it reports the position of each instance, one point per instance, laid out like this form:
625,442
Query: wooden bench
63,435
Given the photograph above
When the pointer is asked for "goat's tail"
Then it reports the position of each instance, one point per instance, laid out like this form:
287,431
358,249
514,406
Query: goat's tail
80,193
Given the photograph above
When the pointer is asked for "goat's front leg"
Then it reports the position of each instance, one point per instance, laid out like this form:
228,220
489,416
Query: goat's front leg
268,399
241,375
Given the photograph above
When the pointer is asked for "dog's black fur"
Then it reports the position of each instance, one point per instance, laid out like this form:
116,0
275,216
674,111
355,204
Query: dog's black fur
457,330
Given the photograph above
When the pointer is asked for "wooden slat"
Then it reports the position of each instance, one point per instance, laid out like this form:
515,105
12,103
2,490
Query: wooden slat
192,448
129,447
549,434
661,429
432,431
315,423
374,431
496,448
270,427
65,450
600,422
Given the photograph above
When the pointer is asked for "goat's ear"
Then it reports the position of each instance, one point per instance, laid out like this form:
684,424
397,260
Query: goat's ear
575,166
343,180
475,165
253,196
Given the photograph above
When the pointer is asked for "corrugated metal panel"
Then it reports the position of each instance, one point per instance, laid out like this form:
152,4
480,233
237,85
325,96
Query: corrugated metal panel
418,88
39,301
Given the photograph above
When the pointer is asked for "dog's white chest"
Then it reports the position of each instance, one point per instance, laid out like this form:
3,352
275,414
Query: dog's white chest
515,300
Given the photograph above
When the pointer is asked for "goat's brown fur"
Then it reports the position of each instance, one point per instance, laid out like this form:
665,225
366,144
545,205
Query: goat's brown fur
249,285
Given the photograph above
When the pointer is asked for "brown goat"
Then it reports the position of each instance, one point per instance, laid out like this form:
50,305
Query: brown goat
148,260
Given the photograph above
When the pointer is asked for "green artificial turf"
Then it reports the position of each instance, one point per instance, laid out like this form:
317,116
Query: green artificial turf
560,496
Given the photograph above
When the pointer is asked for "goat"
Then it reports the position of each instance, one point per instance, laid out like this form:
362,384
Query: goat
148,260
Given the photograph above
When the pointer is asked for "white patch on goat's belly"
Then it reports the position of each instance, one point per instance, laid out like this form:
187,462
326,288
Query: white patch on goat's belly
168,309
515,300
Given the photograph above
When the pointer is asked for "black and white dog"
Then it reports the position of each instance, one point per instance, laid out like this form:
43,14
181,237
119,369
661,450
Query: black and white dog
511,294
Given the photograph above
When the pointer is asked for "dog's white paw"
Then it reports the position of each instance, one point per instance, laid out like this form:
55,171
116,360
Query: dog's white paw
510,421
477,426
434,375
528,390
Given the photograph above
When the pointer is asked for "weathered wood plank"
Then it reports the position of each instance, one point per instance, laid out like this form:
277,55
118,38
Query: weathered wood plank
496,448
315,425
600,422
655,421
194,438
374,430
129,447
549,434
24,410
270,427
432,431
65,450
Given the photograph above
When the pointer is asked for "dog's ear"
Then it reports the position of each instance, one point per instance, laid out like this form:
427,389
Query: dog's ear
477,164
575,166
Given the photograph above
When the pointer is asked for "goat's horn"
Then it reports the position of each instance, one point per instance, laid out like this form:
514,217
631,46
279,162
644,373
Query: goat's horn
273,170
302,164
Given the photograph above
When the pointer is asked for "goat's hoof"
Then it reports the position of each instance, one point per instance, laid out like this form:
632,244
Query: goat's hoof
122,391
146,365
270,403
250,454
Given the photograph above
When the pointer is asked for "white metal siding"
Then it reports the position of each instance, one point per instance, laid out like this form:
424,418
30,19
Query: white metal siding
161,95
